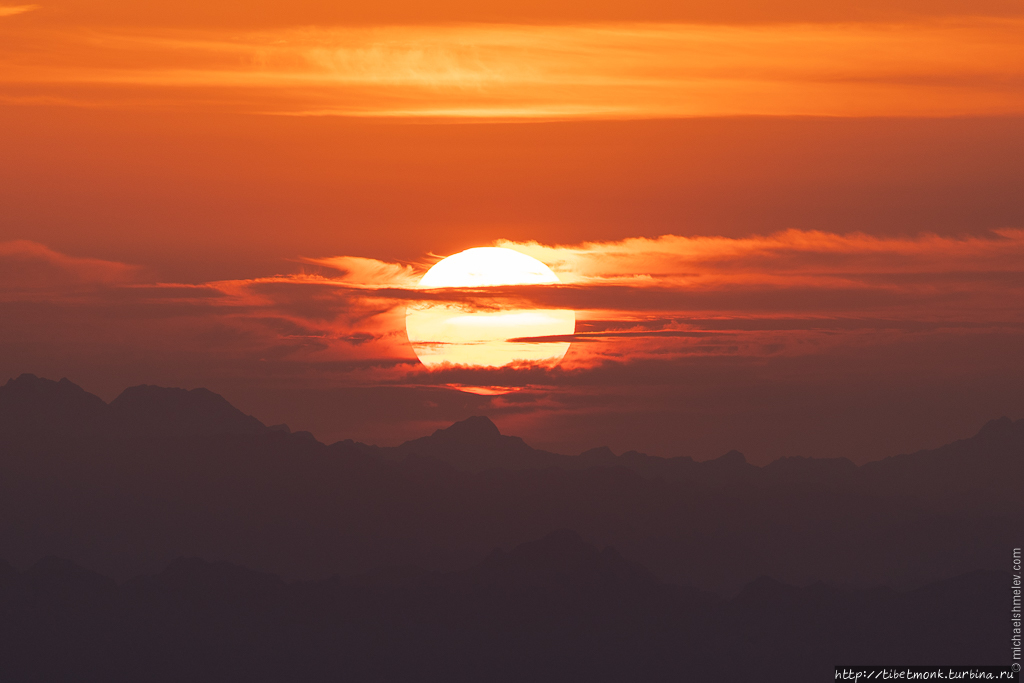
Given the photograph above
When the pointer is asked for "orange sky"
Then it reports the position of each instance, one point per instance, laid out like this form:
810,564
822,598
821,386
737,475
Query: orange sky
792,228
933,66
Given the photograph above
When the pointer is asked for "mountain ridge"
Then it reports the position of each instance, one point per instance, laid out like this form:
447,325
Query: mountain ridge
174,412
124,501
547,609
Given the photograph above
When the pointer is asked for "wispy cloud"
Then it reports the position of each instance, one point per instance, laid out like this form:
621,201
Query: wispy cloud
11,10
367,272
713,324
935,68
790,254
30,269
792,293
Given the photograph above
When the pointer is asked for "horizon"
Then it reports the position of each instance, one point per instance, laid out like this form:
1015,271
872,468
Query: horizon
271,424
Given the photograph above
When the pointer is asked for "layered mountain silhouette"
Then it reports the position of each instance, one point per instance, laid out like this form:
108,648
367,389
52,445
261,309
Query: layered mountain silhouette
30,404
554,609
124,488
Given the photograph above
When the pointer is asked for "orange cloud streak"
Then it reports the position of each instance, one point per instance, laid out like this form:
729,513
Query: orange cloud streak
929,68
11,10
709,317
32,269
790,293
790,253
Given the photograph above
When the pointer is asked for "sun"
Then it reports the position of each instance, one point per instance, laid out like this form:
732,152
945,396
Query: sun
458,334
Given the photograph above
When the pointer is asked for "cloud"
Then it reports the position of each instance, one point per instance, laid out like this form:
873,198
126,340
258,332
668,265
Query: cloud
31,268
791,253
507,71
11,10
716,331
643,300
793,273
368,272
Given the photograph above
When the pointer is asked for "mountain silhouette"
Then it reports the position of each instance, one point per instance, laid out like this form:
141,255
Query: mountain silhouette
474,444
552,609
31,404
159,412
160,473
562,560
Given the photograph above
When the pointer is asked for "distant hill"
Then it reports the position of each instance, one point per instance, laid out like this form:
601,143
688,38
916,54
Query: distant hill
159,473
554,609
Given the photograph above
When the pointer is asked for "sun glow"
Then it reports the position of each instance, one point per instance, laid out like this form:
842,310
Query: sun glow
458,334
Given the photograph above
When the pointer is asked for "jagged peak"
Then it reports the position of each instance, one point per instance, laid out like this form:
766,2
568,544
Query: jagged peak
154,409
997,426
29,383
166,394
733,457
31,403
602,452
637,455
28,379
471,429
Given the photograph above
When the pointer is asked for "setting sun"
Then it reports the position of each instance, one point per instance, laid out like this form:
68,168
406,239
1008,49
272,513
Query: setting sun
461,334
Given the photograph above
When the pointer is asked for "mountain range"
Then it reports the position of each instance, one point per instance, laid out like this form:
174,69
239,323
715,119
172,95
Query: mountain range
556,609
124,488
